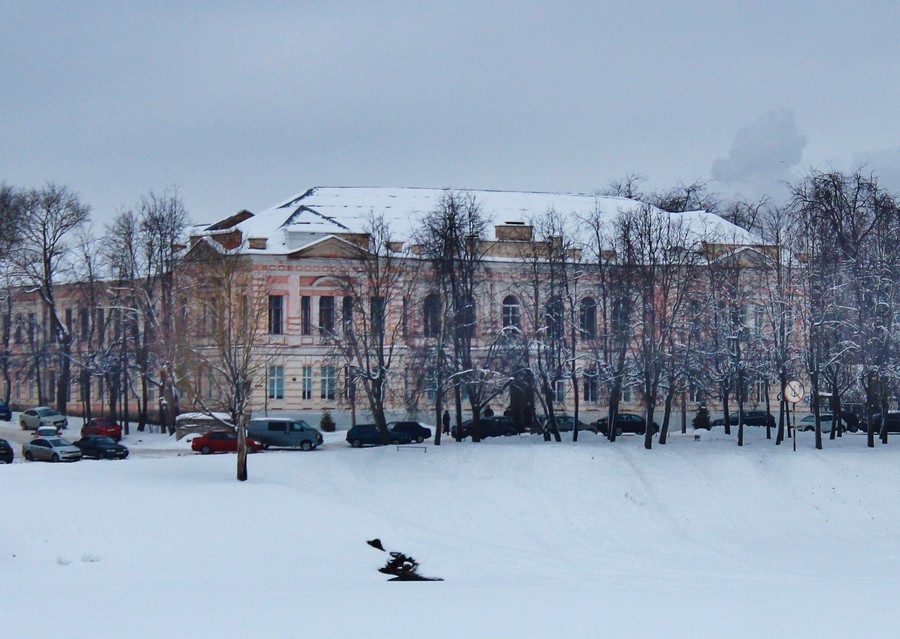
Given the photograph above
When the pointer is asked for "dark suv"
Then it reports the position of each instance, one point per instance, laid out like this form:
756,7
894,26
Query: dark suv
369,435
498,426
751,418
5,411
416,431
625,423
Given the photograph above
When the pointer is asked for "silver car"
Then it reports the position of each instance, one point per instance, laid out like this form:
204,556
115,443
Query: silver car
53,450
42,416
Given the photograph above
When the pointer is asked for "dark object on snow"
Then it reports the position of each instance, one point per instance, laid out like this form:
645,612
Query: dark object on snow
403,567
701,419
376,543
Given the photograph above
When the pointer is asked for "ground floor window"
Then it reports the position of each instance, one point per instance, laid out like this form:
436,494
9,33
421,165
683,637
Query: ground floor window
591,388
559,391
329,382
306,377
276,382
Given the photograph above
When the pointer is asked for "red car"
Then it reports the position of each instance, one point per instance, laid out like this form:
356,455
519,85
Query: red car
222,441
103,426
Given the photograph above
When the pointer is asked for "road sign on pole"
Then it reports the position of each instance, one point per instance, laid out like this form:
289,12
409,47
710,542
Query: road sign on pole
793,392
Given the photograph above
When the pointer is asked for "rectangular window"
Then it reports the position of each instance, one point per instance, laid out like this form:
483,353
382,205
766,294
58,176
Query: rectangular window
276,314
326,315
276,382
98,322
69,320
376,314
329,381
305,316
32,326
349,386
559,391
347,314
626,394
85,388
84,320
431,381
306,377
591,388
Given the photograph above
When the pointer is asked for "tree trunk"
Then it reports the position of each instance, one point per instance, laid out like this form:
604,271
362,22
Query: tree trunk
242,448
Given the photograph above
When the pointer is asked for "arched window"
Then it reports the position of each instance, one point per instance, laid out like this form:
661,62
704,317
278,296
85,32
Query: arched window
466,317
554,316
432,315
588,318
512,312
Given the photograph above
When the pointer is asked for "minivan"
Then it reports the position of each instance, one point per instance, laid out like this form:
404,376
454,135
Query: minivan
284,432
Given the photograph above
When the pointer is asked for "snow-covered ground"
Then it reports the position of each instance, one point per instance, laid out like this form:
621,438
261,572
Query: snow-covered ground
698,538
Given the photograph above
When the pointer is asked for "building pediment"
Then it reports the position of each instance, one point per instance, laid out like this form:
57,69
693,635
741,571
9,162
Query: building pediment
330,246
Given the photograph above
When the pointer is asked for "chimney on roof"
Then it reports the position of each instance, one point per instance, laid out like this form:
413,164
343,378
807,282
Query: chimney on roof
514,231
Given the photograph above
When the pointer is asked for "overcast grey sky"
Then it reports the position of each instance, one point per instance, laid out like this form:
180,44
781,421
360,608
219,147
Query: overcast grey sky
241,105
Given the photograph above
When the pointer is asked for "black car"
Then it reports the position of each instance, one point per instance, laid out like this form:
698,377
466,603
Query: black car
370,435
101,447
5,411
625,423
892,422
6,452
416,431
496,426
751,418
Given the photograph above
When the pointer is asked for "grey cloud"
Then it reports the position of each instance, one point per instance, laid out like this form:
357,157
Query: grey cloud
762,156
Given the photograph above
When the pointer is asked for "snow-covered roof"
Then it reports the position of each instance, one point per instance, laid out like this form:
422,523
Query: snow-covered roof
322,211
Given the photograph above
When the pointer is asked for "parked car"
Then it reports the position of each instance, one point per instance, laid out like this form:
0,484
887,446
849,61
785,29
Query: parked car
892,422
751,418
417,431
808,423
285,432
369,435
222,441
5,411
566,423
625,423
101,447
497,426
46,432
103,426
6,452
42,416
53,450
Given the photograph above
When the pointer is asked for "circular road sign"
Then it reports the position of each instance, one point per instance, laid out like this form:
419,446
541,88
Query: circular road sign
794,391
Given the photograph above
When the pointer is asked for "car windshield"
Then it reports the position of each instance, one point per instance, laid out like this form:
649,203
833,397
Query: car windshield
58,442
106,441
46,412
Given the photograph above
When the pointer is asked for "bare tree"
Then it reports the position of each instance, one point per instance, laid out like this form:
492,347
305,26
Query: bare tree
49,215
236,297
10,215
375,284
612,269
852,265
452,242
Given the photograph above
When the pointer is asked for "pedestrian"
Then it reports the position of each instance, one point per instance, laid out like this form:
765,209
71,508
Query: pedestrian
446,420
488,412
